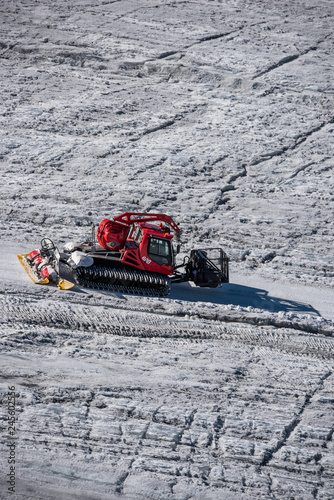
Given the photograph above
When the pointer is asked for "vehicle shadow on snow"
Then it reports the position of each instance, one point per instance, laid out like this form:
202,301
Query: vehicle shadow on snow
239,295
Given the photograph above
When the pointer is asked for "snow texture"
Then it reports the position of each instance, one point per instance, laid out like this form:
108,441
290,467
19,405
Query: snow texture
219,113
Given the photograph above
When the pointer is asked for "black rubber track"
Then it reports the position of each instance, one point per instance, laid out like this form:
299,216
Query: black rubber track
123,280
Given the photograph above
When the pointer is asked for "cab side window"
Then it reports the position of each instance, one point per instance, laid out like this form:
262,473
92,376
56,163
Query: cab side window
160,251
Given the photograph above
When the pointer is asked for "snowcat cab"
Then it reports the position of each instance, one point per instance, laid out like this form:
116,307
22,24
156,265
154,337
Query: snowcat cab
141,245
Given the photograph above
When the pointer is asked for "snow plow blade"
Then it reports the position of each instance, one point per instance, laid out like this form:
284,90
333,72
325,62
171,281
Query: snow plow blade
61,283
23,260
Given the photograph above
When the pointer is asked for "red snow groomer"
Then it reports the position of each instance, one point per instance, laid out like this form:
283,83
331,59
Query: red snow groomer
134,253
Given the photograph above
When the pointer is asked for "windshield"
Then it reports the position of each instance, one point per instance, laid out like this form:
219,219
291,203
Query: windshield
160,251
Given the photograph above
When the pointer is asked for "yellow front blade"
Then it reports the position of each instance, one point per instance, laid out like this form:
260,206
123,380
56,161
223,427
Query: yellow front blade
64,284
23,260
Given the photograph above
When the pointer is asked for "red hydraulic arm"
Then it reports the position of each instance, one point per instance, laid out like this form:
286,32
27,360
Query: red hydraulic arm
133,217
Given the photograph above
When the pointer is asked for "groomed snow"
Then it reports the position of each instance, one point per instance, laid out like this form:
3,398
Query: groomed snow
219,113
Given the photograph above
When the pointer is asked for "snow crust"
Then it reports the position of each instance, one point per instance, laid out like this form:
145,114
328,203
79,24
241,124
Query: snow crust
220,114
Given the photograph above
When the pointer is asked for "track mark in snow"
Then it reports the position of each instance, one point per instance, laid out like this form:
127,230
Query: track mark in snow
301,169
216,36
204,39
288,59
237,176
280,63
162,126
298,141
295,422
100,320
166,54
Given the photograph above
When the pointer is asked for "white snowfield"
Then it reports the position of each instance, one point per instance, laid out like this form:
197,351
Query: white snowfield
220,114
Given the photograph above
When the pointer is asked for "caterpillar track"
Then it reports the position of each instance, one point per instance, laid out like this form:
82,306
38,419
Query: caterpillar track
122,280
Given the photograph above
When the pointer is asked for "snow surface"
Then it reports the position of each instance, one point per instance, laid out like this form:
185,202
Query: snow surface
219,113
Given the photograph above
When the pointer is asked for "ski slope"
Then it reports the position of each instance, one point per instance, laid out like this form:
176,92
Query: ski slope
220,114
